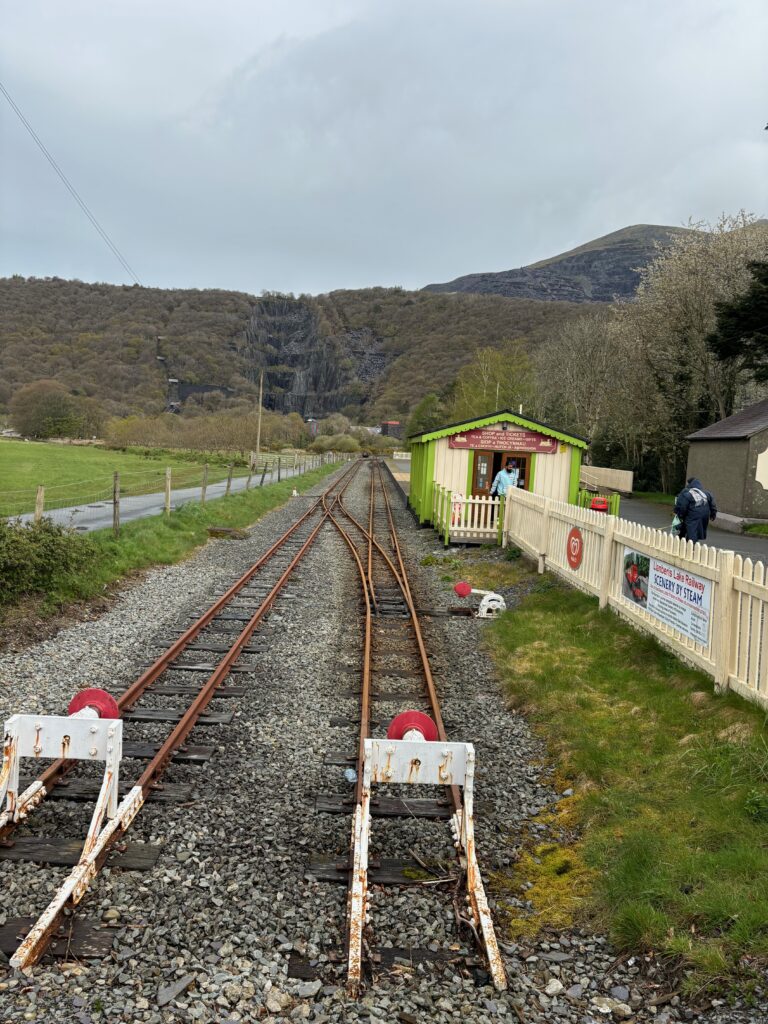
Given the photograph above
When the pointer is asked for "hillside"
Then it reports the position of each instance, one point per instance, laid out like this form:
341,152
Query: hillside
373,352
598,271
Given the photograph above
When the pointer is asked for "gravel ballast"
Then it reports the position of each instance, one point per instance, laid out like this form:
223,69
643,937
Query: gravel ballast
206,934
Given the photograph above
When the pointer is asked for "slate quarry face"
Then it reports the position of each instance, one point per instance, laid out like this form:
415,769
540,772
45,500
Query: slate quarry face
307,369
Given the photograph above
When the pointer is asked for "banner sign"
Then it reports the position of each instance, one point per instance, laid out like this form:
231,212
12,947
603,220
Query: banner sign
512,440
674,596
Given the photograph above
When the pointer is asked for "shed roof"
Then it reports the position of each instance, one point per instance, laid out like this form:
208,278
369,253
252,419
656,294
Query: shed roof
497,417
742,424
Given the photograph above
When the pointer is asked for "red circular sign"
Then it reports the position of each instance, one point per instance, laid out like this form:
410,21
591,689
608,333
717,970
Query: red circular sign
574,548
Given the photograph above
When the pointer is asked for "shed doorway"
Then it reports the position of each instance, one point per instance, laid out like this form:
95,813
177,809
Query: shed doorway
487,464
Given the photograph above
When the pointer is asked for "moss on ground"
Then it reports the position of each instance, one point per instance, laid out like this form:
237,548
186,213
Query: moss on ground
664,843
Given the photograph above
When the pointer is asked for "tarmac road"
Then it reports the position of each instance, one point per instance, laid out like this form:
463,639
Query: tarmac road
659,517
85,518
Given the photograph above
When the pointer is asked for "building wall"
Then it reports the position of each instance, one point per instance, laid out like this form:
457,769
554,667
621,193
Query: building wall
756,483
722,467
451,466
553,474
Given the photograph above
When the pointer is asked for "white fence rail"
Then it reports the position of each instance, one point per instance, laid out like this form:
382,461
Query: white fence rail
462,520
658,583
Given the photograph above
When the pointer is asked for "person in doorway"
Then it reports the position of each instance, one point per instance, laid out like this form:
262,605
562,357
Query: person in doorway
695,507
505,479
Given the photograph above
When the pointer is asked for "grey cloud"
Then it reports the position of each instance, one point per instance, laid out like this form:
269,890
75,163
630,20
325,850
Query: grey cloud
412,143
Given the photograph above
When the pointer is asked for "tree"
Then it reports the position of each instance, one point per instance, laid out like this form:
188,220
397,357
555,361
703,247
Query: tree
687,385
429,413
497,378
46,409
741,333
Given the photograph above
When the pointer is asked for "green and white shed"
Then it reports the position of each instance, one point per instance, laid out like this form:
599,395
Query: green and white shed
465,458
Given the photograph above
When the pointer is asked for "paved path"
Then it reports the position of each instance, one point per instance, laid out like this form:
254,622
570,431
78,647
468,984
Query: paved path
85,518
749,545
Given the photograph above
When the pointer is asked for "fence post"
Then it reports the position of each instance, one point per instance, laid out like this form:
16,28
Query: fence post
723,638
279,464
250,474
229,481
39,503
607,562
544,535
167,490
116,504
204,484
500,521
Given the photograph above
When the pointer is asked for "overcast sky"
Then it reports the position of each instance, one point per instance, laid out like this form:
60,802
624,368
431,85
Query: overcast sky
308,145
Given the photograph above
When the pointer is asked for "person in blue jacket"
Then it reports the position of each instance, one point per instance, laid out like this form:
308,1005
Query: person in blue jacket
696,507
505,479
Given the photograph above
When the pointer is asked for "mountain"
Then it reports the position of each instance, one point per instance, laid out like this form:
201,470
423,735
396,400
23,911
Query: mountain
372,353
598,271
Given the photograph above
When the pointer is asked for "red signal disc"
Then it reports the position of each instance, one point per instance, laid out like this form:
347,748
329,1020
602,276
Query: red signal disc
103,702
401,723
463,589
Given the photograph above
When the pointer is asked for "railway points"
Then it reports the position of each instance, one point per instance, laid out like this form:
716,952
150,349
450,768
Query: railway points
210,667
274,869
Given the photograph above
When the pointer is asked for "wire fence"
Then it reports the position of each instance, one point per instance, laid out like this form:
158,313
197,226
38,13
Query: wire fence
112,499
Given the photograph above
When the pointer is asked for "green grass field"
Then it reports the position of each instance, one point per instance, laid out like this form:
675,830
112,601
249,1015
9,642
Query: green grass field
664,843
80,567
72,474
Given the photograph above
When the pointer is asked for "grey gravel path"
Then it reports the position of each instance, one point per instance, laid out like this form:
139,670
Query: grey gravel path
206,934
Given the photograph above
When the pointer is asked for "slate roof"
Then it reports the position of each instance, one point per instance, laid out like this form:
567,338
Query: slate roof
742,424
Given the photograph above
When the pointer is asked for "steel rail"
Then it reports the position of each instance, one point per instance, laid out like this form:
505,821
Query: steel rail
58,769
467,860
76,884
356,923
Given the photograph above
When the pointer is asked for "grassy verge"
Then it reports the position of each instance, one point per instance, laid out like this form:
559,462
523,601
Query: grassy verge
656,497
161,540
759,528
665,839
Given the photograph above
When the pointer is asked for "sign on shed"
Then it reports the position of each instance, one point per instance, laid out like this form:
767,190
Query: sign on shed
504,441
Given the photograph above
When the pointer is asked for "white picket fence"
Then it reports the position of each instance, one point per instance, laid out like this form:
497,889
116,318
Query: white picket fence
462,520
736,650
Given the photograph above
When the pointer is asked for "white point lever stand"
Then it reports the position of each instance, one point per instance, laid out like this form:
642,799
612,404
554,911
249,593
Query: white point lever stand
491,604
91,732
412,753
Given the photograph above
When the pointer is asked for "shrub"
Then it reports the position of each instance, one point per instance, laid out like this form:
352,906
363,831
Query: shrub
35,557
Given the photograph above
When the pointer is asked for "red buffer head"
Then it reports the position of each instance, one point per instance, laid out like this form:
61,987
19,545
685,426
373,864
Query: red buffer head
407,720
101,701
463,589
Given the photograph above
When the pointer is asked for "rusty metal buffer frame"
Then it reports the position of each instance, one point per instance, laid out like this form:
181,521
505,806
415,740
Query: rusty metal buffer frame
87,735
413,759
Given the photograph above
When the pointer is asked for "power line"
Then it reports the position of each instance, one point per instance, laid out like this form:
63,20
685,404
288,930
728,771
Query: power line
70,187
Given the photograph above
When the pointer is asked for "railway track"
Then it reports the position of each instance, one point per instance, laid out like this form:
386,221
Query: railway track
387,598
189,686
222,634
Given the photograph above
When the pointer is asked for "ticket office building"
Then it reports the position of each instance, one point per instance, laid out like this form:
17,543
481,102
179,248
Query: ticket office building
465,457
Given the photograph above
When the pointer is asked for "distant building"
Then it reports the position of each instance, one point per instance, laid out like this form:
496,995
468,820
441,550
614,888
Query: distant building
391,428
730,458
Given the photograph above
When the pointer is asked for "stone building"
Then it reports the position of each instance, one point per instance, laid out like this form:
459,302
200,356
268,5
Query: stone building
731,460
